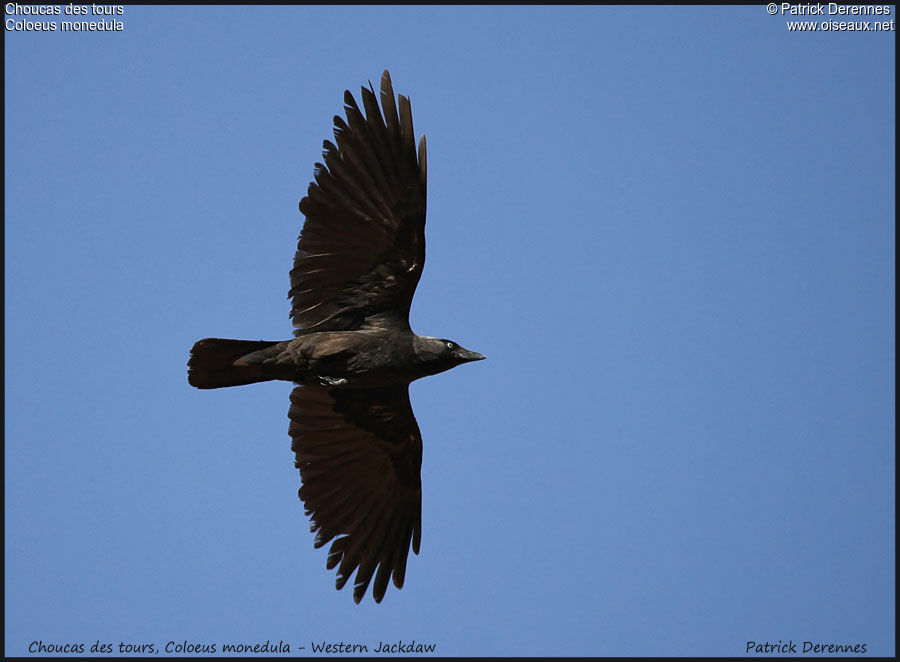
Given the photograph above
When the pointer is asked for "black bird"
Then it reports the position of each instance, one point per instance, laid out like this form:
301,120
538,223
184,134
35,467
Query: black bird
359,258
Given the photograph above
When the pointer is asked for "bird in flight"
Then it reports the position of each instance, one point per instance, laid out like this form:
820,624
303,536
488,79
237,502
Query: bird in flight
358,261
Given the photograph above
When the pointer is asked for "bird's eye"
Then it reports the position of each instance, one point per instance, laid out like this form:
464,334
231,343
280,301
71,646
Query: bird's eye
451,345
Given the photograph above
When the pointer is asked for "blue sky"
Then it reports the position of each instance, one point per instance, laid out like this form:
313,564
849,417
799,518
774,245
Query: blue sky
670,229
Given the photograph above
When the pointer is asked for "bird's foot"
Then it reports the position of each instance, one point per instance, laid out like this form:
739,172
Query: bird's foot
331,381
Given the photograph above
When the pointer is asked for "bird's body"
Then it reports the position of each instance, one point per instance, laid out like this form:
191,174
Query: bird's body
358,261
366,358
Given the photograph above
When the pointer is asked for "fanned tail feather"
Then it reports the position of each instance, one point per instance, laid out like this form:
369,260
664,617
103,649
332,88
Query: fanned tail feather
212,363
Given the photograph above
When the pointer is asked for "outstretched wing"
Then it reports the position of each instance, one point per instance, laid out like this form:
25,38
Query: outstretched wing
359,455
362,247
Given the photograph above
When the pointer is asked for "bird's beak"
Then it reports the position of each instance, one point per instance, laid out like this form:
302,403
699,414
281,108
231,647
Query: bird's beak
469,355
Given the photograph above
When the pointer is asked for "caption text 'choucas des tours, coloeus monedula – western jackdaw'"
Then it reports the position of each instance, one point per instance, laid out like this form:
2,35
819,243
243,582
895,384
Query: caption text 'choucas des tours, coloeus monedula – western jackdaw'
353,355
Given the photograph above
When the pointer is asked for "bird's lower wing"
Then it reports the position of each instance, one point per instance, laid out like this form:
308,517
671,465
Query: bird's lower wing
359,453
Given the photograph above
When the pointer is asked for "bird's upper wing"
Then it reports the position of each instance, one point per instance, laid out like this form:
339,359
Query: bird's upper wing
362,247
359,455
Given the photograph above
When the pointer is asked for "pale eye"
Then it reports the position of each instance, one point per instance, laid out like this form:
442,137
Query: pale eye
451,345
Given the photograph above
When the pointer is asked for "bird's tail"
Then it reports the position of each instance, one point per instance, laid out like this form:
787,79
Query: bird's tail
212,363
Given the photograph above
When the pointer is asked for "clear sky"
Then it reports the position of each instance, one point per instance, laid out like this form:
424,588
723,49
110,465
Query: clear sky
670,229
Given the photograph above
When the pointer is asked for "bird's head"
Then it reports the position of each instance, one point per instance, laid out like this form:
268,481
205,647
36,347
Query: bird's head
440,354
